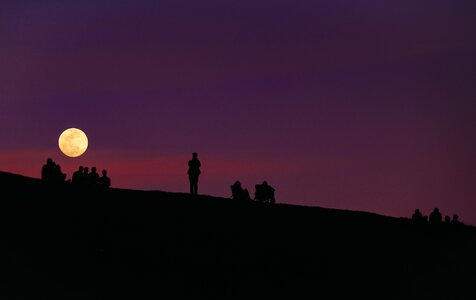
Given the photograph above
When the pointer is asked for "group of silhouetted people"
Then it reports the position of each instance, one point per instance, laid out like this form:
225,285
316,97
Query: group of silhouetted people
86,178
82,178
263,192
51,173
435,218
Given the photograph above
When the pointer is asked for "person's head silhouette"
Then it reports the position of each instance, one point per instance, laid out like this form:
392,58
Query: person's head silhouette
104,172
194,155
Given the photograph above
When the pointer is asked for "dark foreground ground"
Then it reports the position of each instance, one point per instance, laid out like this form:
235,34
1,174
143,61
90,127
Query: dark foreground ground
122,244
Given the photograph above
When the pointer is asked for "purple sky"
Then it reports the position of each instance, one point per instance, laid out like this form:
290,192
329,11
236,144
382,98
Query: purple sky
365,105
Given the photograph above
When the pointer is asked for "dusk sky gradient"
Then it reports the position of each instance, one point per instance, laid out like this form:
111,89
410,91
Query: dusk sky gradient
362,105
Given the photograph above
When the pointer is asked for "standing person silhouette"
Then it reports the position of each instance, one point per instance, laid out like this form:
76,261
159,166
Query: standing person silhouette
193,173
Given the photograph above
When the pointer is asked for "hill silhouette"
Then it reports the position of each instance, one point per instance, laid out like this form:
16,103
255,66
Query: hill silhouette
132,244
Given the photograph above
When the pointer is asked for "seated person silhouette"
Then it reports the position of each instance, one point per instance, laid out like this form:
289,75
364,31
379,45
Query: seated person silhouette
58,174
417,215
238,193
51,173
417,218
455,221
264,193
104,181
447,220
76,178
48,171
84,178
435,217
93,177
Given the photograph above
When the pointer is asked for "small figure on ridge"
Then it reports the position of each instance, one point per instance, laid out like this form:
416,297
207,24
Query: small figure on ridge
193,173
104,181
238,193
264,193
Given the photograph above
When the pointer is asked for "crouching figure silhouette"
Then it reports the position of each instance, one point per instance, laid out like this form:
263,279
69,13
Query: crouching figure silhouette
238,193
264,193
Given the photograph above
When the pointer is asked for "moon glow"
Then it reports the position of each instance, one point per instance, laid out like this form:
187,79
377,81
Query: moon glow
73,142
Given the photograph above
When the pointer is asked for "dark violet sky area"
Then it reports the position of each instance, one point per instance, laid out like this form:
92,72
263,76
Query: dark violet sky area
362,105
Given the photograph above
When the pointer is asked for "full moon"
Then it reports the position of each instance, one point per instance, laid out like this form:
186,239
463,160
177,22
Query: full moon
73,142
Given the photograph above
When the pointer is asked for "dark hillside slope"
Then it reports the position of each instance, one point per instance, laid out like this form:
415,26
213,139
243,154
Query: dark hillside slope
126,244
